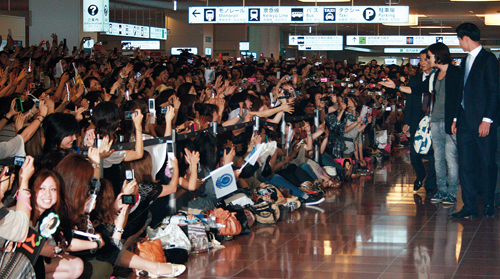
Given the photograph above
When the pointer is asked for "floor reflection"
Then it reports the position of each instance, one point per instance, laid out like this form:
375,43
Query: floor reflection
374,227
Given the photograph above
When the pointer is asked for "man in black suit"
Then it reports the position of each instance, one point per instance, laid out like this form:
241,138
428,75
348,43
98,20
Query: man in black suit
413,114
476,123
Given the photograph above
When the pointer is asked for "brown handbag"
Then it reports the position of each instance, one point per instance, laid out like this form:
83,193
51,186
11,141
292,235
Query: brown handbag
151,251
224,217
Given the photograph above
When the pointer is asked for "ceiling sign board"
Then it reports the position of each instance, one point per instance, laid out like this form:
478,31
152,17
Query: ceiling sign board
144,45
128,30
317,42
416,50
300,14
95,15
178,50
401,40
158,33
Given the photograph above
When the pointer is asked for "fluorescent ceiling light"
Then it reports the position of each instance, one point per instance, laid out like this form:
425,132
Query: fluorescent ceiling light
361,49
323,1
442,33
431,27
474,0
493,19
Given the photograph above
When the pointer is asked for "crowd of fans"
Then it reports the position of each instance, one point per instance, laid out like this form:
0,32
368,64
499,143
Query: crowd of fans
62,112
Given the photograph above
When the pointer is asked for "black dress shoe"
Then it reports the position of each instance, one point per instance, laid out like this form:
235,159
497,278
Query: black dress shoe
489,211
417,185
463,214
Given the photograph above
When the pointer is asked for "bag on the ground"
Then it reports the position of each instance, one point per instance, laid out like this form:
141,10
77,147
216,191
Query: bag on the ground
198,238
151,250
175,243
269,193
241,216
231,225
266,213
381,139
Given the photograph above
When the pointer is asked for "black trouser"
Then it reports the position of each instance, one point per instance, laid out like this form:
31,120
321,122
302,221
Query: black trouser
476,166
418,166
295,175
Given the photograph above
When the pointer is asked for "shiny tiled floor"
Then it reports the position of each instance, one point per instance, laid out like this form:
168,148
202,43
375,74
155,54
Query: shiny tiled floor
375,227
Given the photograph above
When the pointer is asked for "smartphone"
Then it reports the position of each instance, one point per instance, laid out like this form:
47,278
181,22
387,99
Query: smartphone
129,175
170,153
163,110
128,114
347,79
304,58
343,84
252,79
138,75
151,103
324,79
346,100
128,199
350,85
94,191
88,113
19,161
388,109
361,81
19,105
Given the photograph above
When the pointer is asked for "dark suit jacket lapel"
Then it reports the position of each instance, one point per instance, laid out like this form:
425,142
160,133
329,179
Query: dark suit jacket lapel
480,59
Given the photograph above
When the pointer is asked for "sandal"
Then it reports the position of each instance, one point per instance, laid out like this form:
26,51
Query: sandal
177,269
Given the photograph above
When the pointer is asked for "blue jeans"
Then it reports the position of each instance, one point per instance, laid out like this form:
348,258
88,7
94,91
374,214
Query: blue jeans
445,156
278,180
309,171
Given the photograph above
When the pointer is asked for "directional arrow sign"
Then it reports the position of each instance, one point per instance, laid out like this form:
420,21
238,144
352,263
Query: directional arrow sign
195,13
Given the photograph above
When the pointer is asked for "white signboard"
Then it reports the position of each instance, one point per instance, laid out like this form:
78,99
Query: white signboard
95,15
401,40
244,46
144,45
178,50
128,30
158,33
317,42
300,14
416,50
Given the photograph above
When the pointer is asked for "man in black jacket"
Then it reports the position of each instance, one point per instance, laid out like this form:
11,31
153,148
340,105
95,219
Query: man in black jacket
476,122
414,112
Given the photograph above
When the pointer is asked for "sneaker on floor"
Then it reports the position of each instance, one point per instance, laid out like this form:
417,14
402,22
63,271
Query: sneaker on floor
438,197
312,200
449,200
315,208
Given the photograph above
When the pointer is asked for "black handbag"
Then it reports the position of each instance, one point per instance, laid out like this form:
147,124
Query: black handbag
241,217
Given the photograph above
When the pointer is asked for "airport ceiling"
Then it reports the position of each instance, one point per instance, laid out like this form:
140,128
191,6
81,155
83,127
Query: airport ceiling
440,12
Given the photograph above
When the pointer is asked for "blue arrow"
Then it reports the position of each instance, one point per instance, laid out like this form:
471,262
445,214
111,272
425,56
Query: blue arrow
195,13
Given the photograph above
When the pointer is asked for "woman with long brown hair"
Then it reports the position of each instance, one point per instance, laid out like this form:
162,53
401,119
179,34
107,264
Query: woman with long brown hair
76,172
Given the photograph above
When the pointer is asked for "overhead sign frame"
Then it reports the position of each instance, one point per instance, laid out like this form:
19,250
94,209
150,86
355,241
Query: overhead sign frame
298,14
394,40
317,42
